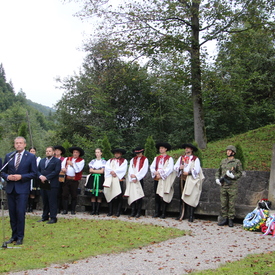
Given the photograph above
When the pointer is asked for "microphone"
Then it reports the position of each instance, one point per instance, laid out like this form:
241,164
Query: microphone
12,154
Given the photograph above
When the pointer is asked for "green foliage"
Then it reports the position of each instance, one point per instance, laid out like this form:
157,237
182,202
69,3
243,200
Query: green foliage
240,155
13,119
239,89
199,153
106,148
150,149
23,130
81,238
181,28
66,144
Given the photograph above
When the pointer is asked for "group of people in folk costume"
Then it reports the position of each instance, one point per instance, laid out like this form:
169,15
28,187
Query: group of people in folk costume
106,179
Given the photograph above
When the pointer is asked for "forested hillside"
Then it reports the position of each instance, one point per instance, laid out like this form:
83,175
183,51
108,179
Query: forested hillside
17,117
47,111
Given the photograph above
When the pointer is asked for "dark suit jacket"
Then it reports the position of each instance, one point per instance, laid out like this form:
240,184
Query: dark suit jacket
27,169
51,172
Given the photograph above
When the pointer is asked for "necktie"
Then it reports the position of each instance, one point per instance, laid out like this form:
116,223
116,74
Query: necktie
17,161
47,162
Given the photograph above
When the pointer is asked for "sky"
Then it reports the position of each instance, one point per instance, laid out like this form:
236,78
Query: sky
40,41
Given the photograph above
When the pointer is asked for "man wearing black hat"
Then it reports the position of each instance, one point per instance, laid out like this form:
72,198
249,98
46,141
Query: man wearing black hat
115,170
138,169
72,167
189,170
59,151
162,170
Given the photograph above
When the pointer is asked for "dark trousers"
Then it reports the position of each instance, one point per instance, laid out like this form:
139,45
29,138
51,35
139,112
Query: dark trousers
70,188
157,198
49,198
17,208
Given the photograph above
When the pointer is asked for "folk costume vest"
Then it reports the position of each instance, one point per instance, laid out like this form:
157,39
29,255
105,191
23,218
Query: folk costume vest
77,176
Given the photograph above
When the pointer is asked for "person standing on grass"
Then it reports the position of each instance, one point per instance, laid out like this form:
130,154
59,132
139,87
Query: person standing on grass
227,175
48,171
138,169
94,181
58,152
18,174
162,171
115,170
72,167
35,189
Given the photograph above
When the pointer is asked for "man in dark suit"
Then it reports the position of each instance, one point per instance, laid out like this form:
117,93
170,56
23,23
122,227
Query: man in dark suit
48,172
18,174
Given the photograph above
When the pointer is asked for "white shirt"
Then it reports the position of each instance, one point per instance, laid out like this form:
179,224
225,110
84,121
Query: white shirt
76,168
141,173
186,167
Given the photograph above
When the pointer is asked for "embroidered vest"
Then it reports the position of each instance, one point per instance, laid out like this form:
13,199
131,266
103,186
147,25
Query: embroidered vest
77,176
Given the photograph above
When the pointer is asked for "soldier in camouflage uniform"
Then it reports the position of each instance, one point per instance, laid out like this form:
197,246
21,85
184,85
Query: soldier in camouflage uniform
229,172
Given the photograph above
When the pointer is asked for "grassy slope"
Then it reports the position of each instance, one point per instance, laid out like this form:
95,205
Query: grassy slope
256,145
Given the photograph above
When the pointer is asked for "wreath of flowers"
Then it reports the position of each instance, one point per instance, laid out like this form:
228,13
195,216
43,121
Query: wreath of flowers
254,220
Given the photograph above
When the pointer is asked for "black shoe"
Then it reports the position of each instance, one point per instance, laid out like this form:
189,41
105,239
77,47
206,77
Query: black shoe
223,222
118,214
97,208
52,221
11,240
138,215
73,212
64,212
19,242
43,220
109,214
230,223
157,215
163,216
93,209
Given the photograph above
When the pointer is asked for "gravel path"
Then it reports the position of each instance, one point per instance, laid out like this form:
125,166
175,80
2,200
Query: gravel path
207,247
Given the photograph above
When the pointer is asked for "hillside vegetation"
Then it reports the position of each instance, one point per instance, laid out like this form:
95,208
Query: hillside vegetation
256,145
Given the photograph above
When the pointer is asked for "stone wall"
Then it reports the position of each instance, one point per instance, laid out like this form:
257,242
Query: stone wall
253,186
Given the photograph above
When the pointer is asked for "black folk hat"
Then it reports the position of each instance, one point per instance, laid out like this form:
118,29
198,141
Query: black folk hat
138,150
164,144
61,148
195,149
80,150
118,150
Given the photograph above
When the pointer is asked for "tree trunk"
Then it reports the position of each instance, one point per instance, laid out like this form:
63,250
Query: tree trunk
199,125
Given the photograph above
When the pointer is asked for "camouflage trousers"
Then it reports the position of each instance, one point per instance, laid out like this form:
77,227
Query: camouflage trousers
228,197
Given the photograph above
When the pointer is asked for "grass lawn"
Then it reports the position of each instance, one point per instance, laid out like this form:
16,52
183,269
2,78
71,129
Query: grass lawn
257,264
257,148
73,239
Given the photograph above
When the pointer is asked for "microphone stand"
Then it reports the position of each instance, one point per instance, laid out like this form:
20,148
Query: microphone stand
4,245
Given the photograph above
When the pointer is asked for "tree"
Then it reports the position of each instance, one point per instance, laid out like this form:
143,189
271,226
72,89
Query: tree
238,89
150,27
23,130
106,148
150,149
